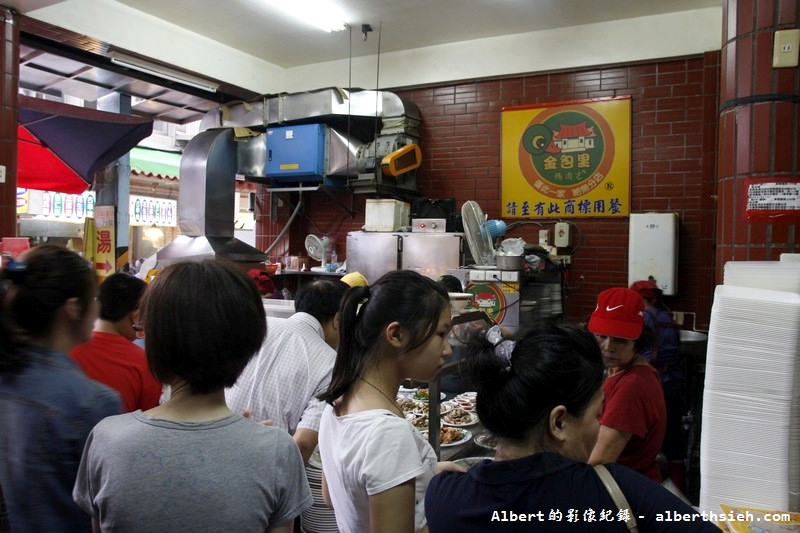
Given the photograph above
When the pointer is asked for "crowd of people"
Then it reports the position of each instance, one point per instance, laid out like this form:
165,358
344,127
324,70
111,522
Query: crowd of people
91,443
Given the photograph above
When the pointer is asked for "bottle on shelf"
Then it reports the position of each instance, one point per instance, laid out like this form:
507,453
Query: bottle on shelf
334,264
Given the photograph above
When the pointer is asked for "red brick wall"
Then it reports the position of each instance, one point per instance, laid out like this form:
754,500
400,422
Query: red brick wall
674,127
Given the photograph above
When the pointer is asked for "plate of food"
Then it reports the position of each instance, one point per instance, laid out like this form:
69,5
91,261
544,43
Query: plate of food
487,440
418,421
466,405
450,436
422,395
407,406
459,418
423,407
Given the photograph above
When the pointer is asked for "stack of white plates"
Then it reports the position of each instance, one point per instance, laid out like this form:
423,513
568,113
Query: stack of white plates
750,445
318,518
783,275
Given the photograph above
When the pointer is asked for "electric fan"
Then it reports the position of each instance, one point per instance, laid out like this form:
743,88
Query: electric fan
480,234
318,249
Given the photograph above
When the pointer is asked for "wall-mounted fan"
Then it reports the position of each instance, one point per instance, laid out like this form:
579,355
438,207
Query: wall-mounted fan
318,249
481,233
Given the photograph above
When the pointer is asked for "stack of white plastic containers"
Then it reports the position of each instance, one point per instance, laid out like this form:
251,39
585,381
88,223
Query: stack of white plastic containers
750,444
318,518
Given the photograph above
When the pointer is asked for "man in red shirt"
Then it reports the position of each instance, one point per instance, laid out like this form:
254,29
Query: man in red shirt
111,357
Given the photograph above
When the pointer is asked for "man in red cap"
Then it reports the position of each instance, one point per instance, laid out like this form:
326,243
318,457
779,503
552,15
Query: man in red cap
634,418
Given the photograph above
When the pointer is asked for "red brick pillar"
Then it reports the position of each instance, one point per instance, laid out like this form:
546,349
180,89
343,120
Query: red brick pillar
759,129
9,67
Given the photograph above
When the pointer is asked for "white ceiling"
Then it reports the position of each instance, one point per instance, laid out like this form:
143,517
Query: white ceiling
258,29
256,49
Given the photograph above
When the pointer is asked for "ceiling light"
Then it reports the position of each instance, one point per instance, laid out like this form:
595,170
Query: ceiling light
319,13
161,71
153,234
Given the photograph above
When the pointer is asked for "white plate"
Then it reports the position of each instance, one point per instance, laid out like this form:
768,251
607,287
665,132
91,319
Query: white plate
444,408
465,438
486,441
465,406
462,440
473,420
407,406
469,462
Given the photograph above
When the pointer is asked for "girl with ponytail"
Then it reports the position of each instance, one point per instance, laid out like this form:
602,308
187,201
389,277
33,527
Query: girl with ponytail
376,465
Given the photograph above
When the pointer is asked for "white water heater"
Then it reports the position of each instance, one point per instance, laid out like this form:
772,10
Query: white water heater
653,250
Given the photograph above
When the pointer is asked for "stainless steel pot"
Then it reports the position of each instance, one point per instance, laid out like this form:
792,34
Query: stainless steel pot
510,262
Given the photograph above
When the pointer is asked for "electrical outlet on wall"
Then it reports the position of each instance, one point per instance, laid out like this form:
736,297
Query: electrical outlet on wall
561,238
544,237
785,48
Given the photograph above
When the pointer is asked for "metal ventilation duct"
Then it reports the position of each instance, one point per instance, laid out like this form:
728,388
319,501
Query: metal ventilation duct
206,200
316,106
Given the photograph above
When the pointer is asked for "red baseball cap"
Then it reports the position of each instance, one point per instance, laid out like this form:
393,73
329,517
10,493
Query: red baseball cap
646,288
619,313
262,279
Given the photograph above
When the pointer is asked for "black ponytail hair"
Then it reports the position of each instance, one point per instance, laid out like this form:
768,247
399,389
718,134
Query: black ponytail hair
550,365
404,296
33,290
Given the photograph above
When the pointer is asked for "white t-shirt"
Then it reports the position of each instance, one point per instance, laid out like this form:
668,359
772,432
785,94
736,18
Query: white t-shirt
368,453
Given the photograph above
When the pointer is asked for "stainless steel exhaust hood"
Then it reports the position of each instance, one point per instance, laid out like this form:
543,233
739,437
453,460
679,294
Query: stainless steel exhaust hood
206,200
318,106
376,123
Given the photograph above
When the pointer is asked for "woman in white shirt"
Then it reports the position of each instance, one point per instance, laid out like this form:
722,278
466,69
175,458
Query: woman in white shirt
376,465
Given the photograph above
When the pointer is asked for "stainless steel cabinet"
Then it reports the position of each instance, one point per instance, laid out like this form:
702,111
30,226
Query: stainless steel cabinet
373,254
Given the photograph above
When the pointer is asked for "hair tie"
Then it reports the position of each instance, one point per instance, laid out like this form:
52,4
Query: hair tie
16,272
364,299
502,347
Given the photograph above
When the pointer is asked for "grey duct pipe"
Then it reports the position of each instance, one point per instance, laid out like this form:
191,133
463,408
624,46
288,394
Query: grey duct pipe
286,227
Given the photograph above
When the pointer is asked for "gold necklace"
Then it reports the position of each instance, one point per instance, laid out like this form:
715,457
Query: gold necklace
394,403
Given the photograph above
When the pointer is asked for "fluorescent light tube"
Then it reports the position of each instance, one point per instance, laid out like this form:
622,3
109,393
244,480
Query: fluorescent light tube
319,13
160,71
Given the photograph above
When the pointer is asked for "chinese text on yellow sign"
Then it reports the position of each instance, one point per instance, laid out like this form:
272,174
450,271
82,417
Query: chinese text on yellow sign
567,159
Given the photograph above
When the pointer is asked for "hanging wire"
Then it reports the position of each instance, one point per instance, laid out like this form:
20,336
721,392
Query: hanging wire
349,99
377,84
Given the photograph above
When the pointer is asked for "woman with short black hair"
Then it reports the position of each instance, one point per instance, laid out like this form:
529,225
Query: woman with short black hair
191,464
